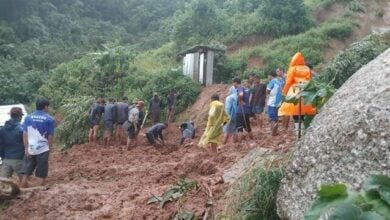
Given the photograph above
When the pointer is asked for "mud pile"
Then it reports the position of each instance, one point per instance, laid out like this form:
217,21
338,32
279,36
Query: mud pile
98,182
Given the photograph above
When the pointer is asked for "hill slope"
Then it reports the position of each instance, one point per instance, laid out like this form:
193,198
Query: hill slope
96,182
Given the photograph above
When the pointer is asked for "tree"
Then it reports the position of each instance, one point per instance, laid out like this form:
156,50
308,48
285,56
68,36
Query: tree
283,17
198,23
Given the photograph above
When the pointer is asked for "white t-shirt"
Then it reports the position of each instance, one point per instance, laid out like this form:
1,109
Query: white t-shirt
134,115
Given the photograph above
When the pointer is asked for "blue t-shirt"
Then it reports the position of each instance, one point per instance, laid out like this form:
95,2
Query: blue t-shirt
246,106
275,96
231,105
232,90
38,126
282,81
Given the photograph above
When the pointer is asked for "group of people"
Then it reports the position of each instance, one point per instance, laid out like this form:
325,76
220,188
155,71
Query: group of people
123,122
25,148
248,99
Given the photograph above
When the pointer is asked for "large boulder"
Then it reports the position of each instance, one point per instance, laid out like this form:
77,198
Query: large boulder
346,142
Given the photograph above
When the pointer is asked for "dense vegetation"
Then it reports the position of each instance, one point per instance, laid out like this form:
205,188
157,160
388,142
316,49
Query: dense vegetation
40,40
357,55
73,50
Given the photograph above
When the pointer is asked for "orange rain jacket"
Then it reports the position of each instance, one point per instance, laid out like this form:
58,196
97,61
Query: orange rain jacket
297,73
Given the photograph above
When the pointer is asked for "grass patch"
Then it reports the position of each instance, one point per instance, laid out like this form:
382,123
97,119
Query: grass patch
3,206
254,195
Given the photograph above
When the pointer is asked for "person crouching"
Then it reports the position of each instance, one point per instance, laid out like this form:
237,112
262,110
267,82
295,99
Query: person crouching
187,132
154,134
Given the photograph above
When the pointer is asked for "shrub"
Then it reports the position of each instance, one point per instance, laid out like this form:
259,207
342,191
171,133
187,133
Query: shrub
164,83
256,194
279,52
75,125
358,54
336,202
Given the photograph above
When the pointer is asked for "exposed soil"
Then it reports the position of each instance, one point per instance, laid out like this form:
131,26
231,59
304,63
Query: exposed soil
255,62
323,14
97,182
248,41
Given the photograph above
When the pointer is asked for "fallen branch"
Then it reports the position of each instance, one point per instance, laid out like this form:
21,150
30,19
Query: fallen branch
31,189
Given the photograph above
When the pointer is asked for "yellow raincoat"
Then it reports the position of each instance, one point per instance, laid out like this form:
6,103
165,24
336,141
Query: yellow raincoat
217,117
297,73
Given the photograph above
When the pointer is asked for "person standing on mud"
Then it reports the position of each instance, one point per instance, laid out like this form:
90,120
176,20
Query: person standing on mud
109,119
230,129
244,111
38,132
154,134
282,78
122,112
212,136
171,100
258,100
135,126
155,107
95,114
274,89
11,145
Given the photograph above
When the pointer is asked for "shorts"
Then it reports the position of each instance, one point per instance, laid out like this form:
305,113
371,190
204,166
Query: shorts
150,138
10,166
93,123
258,109
109,126
131,132
273,113
39,163
243,122
230,127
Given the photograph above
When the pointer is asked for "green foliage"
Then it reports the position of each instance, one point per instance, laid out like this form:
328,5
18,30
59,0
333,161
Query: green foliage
356,6
175,192
50,38
74,127
19,85
257,195
4,205
197,23
352,59
92,75
164,83
314,93
74,85
334,202
278,53
283,17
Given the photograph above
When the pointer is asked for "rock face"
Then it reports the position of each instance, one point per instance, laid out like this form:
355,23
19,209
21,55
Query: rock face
348,141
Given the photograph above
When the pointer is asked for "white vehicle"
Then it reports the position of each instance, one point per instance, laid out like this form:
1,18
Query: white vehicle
4,112
5,116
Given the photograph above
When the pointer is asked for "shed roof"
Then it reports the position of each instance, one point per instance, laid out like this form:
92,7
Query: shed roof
200,48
